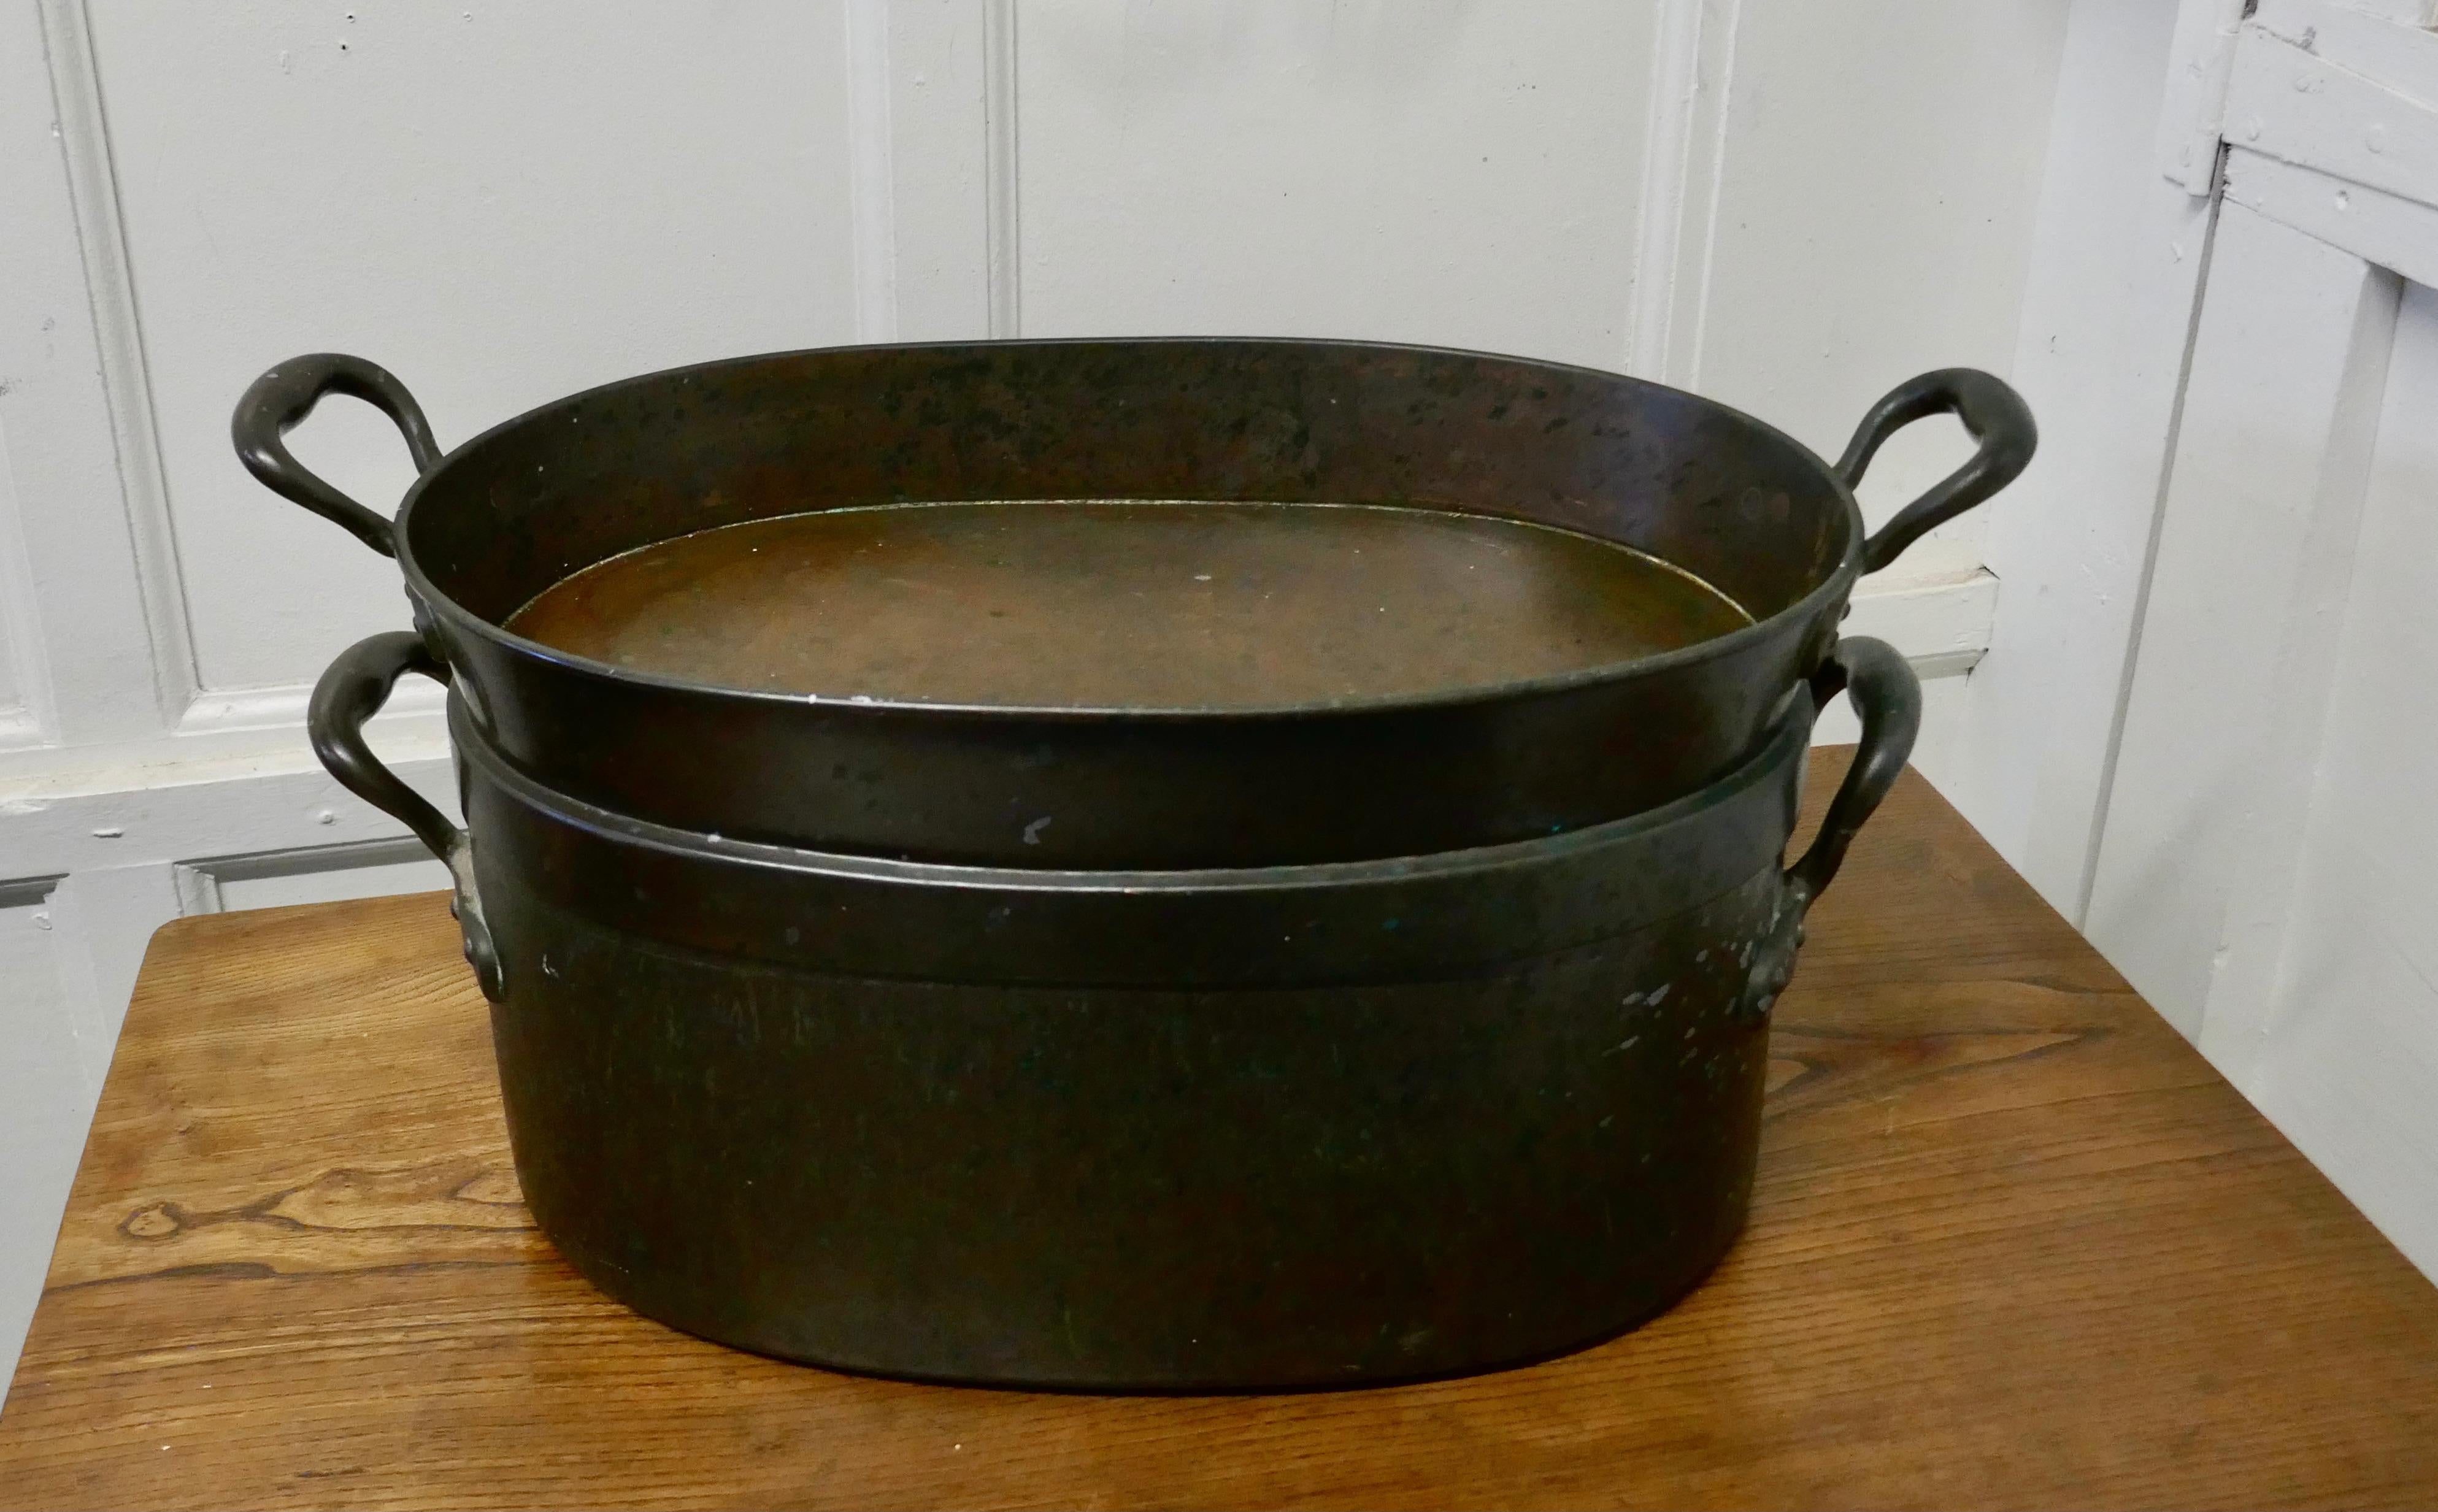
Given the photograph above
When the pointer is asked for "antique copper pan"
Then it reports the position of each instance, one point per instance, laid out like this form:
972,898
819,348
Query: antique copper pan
495,522
1345,1040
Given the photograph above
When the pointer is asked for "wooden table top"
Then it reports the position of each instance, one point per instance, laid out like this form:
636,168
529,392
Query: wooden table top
2014,1244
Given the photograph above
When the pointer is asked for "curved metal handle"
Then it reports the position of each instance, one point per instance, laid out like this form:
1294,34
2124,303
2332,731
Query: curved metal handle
351,692
1887,696
1995,415
281,399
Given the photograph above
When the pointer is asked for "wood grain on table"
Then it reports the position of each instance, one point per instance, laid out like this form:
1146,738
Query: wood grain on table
2014,1244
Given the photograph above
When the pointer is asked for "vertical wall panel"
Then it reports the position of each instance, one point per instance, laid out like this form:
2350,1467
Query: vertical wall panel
2248,580
939,140
2343,1054
1874,219
19,633
2114,269
1418,170
76,603
499,203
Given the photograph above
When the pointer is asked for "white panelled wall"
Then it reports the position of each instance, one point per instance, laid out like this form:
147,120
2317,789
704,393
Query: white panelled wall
1792,206
2204,728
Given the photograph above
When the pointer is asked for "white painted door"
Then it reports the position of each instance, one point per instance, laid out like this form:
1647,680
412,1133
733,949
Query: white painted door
2264,872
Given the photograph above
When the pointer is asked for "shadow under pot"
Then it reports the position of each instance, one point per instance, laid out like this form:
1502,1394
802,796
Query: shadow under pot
1300,1126
1584,492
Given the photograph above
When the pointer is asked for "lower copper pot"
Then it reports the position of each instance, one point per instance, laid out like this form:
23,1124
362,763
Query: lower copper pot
1255,1128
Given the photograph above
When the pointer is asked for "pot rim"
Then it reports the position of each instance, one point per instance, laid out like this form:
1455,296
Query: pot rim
1833,587
1787,735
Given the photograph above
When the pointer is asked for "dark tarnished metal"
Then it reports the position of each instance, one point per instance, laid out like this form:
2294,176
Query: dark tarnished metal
1296,1126
1725,497
1999,422
351,691
280,400
1312,1046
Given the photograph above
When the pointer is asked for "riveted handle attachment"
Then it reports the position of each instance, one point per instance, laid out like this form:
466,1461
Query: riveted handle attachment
1994,413
281,399
1887,697
349,694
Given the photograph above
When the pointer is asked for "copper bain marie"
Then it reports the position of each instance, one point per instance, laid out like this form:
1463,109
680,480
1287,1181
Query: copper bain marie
975,880
498,520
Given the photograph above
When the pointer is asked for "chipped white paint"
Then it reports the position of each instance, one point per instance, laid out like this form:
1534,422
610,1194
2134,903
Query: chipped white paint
2200,60
2395,233
2290,99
